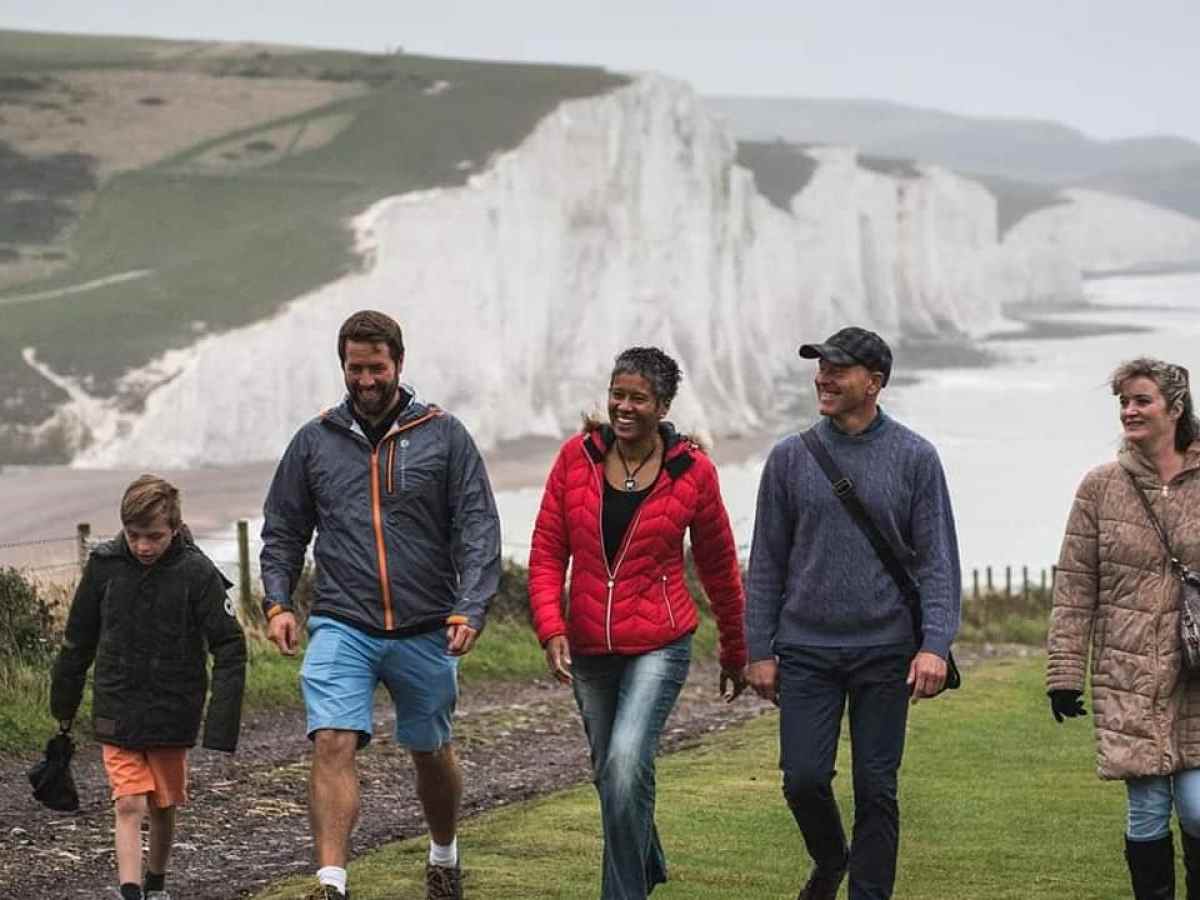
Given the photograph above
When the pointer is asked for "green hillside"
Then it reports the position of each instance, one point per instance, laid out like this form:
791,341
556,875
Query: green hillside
224,231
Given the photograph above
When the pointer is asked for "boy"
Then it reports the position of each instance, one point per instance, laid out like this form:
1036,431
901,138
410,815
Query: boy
148,607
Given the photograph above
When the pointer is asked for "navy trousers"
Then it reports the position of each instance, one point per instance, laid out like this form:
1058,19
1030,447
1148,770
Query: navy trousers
815,684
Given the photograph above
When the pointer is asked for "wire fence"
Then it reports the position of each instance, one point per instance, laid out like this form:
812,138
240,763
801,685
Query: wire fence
60,560
236,550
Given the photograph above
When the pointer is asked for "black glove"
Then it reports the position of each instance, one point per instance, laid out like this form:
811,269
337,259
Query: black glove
1066,704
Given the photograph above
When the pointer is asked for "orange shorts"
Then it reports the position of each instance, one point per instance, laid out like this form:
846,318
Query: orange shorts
160,772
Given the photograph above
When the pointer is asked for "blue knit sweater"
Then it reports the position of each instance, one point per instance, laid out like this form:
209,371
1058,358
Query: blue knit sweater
815,580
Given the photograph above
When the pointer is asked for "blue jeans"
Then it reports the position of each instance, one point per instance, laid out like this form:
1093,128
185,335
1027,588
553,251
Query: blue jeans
1150,801
624,702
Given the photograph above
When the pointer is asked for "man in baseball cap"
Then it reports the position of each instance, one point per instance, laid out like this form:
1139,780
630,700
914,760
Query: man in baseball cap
850,346
825,621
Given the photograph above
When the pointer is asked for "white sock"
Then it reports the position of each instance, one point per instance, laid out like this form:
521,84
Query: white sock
443,855
334,875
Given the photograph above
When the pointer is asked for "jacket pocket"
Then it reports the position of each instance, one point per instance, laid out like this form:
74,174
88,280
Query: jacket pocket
411,470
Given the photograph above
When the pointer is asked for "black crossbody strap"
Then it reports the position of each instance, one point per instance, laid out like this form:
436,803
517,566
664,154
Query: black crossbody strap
843,487
1162,534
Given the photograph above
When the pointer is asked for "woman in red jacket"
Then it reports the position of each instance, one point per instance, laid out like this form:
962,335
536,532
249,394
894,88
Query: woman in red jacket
616,505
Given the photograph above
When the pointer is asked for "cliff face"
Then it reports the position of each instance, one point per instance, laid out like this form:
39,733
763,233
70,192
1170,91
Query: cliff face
621,220
1094,231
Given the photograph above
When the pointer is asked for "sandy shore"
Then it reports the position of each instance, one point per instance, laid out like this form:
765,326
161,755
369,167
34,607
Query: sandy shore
45,503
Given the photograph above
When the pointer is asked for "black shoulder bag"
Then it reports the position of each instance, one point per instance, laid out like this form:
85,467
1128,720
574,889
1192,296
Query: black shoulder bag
843,488
1189,599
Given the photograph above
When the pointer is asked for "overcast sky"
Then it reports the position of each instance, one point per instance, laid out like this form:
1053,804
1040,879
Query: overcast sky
1111,68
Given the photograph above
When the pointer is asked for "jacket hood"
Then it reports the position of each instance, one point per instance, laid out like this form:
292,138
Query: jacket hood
182,543
343,416
602,436
118,546
1135,462
677,448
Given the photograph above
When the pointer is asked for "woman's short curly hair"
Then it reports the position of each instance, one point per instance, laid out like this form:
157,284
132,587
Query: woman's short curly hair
652,364
1173,383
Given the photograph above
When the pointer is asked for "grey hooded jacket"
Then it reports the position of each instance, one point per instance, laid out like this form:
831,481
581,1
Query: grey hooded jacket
408,537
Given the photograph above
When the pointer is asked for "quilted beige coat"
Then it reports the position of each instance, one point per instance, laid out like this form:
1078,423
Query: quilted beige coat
1117,596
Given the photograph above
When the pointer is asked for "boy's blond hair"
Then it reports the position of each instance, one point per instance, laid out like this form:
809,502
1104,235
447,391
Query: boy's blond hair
147,498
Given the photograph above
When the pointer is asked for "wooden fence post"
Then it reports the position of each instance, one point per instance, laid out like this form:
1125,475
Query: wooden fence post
1007,582
249,613
975,585
989,579
83,534
1025,584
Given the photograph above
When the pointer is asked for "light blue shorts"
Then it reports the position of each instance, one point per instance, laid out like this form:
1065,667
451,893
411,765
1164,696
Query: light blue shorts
343,666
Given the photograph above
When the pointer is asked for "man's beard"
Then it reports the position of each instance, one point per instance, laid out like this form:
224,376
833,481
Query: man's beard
377,403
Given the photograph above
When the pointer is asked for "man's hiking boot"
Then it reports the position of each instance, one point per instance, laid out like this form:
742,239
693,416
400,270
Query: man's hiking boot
326,892
823,883
443,882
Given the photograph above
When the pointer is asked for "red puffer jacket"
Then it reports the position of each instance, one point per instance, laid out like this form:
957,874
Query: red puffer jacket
643,603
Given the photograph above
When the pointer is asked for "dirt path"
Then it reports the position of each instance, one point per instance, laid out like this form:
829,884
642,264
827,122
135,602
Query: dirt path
247,823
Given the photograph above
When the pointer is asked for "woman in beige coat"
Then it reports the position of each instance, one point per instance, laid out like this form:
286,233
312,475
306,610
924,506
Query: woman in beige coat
1118,594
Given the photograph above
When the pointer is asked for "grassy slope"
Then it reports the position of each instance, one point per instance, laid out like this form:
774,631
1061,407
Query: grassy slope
229,249
996,800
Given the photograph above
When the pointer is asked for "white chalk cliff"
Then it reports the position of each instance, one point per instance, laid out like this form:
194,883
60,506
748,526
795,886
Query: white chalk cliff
1094,231
621,220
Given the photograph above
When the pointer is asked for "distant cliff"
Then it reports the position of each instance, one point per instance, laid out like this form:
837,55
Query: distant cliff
1094,231
623,219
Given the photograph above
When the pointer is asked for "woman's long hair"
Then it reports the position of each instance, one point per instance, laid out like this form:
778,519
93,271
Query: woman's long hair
1173,383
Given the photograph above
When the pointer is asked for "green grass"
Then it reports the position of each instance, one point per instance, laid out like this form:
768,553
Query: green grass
997,802
25,721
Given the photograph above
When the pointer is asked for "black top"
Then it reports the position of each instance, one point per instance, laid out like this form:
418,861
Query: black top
375,433
618,510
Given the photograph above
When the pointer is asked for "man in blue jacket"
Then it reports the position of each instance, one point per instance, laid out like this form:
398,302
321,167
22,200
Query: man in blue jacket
407,559
827,623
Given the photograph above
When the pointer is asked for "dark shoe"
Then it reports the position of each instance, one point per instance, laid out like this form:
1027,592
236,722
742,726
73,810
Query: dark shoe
1191,863
326,892
1151,868
443,882
824,882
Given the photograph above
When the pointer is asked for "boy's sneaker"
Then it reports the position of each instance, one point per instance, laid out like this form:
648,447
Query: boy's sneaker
326,892
443,882
157,895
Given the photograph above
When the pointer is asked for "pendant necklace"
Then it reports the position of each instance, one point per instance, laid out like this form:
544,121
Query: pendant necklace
631,477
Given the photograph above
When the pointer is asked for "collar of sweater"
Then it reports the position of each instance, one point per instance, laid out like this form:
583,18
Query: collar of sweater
877,428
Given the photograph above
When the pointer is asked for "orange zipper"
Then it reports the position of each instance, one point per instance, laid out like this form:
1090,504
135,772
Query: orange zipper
385,589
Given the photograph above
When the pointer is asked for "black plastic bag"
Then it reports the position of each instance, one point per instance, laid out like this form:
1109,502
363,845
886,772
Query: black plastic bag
53,784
